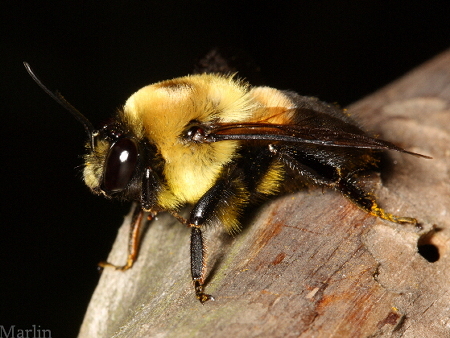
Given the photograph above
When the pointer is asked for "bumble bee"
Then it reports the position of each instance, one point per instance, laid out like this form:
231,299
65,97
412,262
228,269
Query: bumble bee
214,142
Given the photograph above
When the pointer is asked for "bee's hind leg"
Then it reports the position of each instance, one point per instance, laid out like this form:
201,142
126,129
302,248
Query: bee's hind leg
366,201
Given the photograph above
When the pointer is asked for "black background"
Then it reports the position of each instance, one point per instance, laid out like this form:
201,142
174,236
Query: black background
97,53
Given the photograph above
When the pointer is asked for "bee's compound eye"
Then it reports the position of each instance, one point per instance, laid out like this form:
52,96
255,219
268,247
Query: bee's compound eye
120,165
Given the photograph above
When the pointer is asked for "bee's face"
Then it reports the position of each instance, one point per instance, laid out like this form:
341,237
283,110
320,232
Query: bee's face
112,162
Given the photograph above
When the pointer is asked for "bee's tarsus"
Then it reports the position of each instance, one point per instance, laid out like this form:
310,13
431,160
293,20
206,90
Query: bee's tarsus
201,296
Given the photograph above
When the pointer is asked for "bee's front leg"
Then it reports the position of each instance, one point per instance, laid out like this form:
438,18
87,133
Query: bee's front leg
133,241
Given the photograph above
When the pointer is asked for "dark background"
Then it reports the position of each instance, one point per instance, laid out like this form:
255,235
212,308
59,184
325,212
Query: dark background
97,53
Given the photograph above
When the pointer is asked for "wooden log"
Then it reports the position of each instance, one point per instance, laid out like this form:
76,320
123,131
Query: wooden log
310,264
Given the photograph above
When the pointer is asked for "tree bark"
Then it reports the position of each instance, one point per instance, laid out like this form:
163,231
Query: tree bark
310,264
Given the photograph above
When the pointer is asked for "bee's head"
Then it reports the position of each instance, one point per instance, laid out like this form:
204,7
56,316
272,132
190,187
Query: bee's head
111,160
112,154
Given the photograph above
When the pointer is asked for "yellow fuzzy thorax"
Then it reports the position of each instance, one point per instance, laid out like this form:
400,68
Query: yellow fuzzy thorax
165,109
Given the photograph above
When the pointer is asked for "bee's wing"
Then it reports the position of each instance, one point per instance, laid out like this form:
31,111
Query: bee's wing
292,133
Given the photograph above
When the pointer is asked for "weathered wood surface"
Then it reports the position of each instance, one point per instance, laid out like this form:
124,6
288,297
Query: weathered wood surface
310,264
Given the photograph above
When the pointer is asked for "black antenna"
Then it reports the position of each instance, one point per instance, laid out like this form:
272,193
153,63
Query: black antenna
90,130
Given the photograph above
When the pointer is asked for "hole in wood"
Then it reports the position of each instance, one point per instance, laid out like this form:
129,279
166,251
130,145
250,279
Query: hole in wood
430,252
432,245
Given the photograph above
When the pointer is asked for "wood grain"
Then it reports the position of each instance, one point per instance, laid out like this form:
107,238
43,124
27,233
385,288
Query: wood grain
310,264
